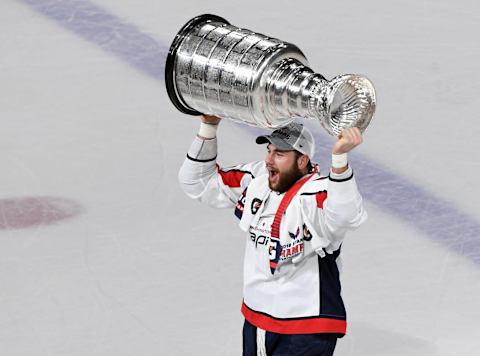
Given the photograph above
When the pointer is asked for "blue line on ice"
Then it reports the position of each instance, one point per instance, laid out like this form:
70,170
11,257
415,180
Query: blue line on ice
113,35
435,217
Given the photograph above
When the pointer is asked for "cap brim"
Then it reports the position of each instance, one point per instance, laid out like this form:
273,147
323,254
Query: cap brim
277,142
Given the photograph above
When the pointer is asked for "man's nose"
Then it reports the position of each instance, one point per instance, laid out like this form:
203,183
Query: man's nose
269,159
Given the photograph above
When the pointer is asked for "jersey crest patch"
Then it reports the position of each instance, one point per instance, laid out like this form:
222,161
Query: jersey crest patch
256,203
307,235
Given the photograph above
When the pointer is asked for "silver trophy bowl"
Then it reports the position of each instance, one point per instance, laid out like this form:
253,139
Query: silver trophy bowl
218,69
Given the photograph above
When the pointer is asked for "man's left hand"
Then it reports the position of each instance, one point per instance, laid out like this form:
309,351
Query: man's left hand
347,140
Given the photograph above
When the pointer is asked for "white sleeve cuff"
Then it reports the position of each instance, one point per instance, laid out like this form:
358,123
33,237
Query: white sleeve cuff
339,160
207,131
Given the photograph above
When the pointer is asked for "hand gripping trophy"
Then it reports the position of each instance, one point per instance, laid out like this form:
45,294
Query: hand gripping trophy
218,69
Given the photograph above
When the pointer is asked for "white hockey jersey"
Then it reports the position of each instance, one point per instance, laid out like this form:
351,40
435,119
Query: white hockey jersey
291,285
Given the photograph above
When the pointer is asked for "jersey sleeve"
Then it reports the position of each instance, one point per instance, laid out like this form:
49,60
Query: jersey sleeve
338,209
343,207
201,178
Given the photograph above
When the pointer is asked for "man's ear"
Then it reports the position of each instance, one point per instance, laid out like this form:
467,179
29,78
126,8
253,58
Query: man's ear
302,162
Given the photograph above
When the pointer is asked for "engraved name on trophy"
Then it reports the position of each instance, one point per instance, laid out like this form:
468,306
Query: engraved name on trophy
219,69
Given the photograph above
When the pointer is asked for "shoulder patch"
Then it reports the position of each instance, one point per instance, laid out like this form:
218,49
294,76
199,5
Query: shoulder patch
232,177
321,196
240,205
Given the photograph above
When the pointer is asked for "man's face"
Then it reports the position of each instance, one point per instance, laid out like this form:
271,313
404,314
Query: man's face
283,169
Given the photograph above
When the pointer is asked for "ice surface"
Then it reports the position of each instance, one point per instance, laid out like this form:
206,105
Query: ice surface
102,254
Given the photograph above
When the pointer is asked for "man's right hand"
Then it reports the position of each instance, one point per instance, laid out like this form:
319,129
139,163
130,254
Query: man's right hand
210,119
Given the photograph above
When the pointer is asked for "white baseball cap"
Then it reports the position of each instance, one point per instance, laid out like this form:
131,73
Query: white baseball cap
294,136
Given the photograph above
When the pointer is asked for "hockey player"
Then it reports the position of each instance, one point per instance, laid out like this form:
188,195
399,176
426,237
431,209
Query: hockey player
295,220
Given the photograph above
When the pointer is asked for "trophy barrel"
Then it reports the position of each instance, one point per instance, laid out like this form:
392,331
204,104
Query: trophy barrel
219,69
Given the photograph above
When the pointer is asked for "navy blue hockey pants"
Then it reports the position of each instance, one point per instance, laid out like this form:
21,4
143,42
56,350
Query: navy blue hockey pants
288,345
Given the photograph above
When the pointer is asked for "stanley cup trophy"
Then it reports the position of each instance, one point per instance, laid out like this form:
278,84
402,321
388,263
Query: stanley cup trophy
218,69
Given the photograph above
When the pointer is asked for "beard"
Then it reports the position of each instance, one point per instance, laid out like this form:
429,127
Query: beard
285,180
